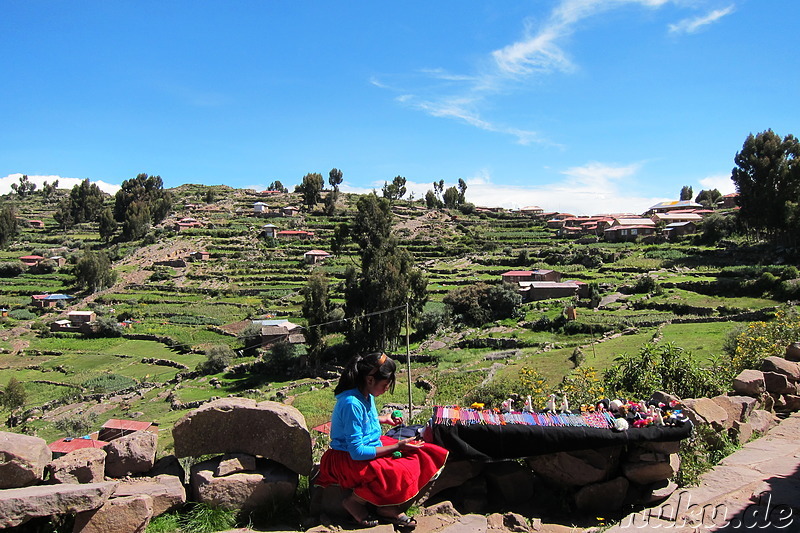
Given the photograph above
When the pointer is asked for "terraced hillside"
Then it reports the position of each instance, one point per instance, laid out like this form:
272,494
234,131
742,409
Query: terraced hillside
175,309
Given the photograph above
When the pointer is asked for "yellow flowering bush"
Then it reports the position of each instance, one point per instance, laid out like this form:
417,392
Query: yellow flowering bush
532,383
765,339
583,386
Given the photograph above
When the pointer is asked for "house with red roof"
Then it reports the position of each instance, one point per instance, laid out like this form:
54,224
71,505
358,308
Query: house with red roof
70,444
31,260
516,276
294,234
312,257
116,428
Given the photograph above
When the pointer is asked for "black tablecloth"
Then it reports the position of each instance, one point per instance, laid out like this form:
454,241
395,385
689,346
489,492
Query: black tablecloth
487,442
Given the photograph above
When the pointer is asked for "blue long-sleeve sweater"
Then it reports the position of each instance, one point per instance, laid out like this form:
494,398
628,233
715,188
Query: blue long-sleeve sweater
354,425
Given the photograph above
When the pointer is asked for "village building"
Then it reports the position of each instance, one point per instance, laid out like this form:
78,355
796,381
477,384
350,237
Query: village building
294,234
516,276
532,210
679,229
70,444
260,208
269,230
274,331
188,223
543,290
676,216
312,257
31,260
48,300
38,224
116,428
629,229
290,211
671,205
199,256
728,201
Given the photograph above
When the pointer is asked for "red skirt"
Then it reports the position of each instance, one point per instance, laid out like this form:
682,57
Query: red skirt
385,480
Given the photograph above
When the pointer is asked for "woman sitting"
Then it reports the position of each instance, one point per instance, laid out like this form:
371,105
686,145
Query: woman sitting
380,470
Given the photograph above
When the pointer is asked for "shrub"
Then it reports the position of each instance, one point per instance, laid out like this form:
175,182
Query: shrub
647,285
11,269
480,303
109,383
76,425
704,448
21,314
217,358
582,386
432,321
669,368
765,339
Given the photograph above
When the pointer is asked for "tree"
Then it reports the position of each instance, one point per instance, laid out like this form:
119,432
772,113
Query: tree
107,224
341,232
14,395
93,271
8,225
24,187
147,191
217,359
708,198
136,221
767,178
686,192
311,189
431,201
481,303
395,190
377,293
49,190
334,178
277,186
450,198
316,303
462,191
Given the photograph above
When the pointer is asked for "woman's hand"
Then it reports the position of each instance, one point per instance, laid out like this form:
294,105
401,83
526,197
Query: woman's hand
390,419
411,442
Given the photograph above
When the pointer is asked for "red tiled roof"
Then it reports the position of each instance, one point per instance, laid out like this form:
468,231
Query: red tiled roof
69,444
517,273
127,425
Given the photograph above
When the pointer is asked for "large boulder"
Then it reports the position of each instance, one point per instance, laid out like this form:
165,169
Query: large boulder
793,352
602,497
129,514
131,454
737,407
167,491
647,472
85,465
270,484
749,383
241,425
779,383
576,468
790,369
22,460
762,421
17,506
706,411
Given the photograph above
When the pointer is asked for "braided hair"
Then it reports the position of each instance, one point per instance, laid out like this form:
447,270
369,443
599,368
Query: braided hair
354,375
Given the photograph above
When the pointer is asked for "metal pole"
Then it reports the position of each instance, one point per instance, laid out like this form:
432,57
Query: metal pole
408,366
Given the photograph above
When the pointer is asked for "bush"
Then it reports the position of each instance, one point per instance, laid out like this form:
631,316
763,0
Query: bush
217,359
109,383
480,303
11,269
667,368
647,285
432,321
21,314
765,339
76,425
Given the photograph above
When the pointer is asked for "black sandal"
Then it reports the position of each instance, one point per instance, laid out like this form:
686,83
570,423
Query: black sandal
369,521
404,521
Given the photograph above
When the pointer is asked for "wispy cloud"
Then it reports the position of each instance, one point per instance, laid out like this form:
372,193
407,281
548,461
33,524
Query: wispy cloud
63,183
722,182
539,52
695,24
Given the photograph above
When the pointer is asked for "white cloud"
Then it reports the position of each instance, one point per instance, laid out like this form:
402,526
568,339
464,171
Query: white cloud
63,183
694,24
722,182
591,189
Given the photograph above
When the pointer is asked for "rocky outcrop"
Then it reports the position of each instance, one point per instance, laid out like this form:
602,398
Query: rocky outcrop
167,492
22,460
268,483
131,454
129,514
240,425
86,465
17,506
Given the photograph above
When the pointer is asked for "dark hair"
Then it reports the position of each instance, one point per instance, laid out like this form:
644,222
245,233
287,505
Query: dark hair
355,373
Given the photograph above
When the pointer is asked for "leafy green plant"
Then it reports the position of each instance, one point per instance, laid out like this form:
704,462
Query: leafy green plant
109,383
764,339
702,451
202,518
669,368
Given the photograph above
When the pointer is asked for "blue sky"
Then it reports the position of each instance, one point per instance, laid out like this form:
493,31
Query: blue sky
583,106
